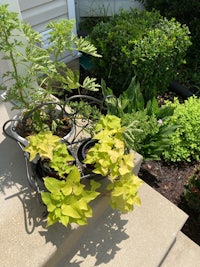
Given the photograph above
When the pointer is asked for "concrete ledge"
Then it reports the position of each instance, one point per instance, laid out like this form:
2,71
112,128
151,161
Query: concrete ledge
183,253
140,238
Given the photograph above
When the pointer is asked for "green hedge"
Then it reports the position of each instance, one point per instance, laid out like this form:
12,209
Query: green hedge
142,44
186,12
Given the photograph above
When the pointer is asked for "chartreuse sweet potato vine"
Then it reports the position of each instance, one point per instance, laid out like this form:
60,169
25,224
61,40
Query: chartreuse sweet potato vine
111,158
67,200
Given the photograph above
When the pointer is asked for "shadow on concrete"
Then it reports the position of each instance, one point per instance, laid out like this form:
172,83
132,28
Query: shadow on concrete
98,240
14,184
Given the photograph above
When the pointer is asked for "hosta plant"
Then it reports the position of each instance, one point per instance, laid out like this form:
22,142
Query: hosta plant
145,131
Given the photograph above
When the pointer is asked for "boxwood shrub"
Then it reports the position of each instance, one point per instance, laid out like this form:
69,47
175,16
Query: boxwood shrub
186,12
142,44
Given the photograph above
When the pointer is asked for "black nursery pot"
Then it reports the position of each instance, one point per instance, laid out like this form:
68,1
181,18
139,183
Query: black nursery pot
43,168
83,149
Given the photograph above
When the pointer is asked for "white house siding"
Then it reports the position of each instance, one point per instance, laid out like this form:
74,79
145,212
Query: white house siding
87,8
38,12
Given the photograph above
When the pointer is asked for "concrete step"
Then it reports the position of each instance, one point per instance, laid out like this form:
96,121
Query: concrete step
184,253
138,239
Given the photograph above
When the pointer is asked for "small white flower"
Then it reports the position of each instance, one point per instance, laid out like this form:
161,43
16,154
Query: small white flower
160,122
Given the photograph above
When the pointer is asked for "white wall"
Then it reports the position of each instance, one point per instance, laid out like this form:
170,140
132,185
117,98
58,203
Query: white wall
88,8
38,12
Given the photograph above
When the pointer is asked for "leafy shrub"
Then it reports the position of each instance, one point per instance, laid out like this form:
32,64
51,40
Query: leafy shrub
141,44
184,142
189,15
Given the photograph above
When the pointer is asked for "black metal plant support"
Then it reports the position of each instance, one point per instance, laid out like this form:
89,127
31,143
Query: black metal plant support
74,143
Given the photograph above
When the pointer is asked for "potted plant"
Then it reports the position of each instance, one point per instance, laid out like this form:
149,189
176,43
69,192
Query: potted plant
36,72
66,198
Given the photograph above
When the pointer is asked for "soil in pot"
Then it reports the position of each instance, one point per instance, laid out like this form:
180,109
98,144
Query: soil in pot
45,117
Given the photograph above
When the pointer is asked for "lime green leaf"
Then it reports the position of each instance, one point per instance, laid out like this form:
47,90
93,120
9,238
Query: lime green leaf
70,211
82,221
46,198
64,220
94,185
51,220
82,204
53,185
88,213
67,189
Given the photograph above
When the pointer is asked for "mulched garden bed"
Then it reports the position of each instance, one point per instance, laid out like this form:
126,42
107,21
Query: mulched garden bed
169,179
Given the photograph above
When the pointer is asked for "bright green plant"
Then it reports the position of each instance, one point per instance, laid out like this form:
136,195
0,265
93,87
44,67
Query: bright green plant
184,142
66,198
141,44
192,191
145,131
111,158
24,49
42,144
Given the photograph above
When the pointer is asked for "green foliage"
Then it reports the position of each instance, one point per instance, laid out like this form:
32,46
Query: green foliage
67,200
192,191
184,142
42,144
110,158
189,15
108,152
87,112
25,50
141,44
87,24
145,131
124,193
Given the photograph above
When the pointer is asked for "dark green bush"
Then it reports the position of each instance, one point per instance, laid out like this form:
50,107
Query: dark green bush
185,141
142,44
186,12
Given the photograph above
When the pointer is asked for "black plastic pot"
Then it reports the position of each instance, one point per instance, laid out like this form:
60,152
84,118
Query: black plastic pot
83,149
43,168
180,90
